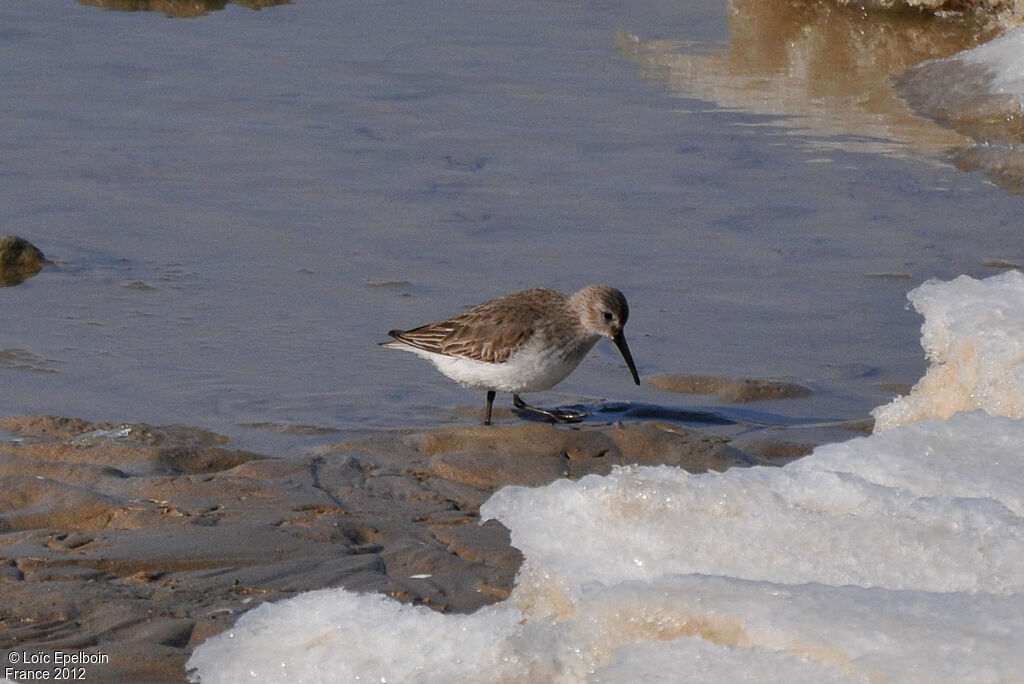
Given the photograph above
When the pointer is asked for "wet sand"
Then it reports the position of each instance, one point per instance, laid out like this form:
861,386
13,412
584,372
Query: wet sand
140,542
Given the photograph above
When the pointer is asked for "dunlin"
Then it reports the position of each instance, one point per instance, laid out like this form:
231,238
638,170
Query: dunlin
523,342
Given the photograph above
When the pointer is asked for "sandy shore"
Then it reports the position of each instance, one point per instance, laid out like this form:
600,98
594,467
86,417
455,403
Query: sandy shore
140,542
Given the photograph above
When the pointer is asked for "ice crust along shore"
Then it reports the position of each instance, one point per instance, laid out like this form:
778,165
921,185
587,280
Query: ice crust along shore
983,84
894,557
979,93
973,337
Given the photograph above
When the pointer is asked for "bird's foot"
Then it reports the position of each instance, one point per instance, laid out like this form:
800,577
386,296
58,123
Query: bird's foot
556,415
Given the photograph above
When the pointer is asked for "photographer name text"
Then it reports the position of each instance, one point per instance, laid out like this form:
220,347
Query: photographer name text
51,665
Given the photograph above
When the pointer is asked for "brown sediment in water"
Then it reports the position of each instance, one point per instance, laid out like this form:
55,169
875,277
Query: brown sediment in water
179,8
895,95
901,91
735,390
140,542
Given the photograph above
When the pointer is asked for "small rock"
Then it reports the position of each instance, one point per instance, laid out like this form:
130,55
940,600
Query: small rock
19,259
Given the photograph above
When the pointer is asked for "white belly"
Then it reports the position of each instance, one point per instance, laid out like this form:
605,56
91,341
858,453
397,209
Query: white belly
532,369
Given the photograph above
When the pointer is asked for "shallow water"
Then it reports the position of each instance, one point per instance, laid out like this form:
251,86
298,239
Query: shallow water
241,204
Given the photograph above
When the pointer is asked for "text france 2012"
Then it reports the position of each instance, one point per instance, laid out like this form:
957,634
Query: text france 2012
54,666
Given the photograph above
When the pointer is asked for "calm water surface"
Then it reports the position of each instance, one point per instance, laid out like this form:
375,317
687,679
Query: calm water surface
241,204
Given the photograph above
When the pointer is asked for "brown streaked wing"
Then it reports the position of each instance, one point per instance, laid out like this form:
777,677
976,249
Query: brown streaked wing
490,332
428,337
478,338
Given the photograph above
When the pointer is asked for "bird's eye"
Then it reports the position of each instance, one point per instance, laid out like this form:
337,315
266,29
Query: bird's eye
608,316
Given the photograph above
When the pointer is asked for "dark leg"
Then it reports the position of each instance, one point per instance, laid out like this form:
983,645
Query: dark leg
556,415
490,403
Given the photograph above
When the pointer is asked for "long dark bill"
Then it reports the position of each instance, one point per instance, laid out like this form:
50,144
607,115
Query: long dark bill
620,342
